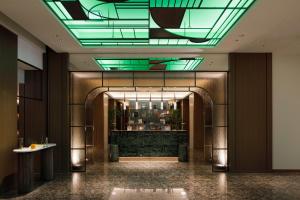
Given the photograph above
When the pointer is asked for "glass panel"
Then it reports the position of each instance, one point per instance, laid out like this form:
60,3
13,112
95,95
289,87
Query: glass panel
78,159
77,137
208,115
142,64
83,83
208,144
89,135
214,3
77,115
215,83
180,79
220,115
220,137
122,23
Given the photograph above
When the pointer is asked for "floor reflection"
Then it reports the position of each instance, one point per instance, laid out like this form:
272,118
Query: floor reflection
138,194
192,181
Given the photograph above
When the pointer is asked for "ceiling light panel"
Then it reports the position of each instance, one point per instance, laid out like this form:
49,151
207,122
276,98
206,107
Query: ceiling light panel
145,96
183,23
169,64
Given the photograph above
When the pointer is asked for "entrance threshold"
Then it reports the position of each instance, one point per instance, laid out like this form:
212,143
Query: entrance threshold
152,159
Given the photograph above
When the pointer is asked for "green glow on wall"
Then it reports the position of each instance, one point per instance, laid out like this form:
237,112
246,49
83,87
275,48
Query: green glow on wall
96,23
170,64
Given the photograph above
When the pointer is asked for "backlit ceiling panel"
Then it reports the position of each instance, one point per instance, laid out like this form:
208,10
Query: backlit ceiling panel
169,64
158,23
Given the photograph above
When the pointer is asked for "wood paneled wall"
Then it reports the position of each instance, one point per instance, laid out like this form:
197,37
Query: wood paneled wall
58,92
250,112
98,134
35,103
198,122
8,107
185,113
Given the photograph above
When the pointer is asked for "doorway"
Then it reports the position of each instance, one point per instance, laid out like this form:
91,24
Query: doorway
210,86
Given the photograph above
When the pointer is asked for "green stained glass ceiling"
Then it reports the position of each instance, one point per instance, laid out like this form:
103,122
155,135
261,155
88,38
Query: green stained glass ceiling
144,23
169,64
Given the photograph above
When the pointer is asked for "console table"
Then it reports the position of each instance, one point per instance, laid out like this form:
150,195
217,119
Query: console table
25,165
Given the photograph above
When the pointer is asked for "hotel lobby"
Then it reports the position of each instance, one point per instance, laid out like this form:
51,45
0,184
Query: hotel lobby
149,99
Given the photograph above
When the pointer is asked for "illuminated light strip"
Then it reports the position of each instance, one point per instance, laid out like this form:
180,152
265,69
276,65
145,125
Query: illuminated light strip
135,12
143,64
63,10
56,10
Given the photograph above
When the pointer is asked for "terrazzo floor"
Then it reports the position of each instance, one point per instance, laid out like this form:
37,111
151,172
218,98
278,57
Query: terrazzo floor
167,181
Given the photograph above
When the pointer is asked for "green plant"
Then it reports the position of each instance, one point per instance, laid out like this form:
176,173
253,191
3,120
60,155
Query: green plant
112,113
176,119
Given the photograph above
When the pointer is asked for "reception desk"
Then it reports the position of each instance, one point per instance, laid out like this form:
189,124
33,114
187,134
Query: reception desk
150,143
25,165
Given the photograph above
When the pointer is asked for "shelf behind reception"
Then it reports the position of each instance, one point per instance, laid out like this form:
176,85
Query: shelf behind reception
148,143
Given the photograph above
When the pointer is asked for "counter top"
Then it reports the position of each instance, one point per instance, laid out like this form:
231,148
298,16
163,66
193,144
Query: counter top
39,147
149,130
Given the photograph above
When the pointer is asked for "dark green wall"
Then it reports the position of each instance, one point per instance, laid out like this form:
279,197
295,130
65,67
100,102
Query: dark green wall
148,143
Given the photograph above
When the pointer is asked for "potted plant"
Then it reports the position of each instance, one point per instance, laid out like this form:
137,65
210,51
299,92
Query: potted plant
112,113
176,119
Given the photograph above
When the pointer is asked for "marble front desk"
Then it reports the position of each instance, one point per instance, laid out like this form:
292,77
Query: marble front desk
148,143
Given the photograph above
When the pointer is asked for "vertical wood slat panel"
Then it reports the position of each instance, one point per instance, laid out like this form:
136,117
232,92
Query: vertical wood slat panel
35,107
98,116
58,123
250,99
199,122
8,107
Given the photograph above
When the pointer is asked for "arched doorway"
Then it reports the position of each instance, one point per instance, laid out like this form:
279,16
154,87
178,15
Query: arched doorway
103,150
210,86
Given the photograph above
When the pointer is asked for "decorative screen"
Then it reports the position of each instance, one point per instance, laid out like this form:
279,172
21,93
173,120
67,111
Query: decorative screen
169,64
158,23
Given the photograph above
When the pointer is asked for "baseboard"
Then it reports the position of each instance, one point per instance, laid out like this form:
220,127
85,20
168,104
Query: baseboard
286,170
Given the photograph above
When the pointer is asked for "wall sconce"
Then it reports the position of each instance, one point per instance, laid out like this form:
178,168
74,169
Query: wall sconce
124,103
175,102
150,103
161,102
136,105
136,102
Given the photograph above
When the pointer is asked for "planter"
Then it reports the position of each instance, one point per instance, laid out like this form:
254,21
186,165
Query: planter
183,153
114,153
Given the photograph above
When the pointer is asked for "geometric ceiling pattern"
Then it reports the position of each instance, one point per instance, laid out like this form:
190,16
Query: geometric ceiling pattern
169,64
149,23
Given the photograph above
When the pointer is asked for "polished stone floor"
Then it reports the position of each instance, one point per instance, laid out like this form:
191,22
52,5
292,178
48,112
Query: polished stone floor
158,180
